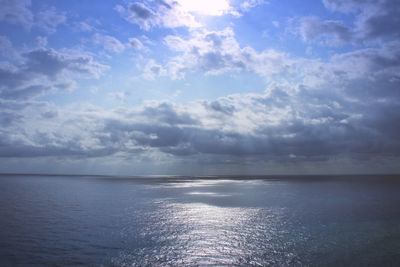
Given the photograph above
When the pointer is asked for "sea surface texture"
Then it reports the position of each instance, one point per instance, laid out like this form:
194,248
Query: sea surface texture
199,221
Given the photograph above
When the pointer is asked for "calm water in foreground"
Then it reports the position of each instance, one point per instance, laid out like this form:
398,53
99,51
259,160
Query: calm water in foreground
279,221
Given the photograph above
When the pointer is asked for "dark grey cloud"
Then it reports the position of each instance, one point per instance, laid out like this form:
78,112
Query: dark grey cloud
373,21
19,150
344,107
318,125
164,4
376,72
165,113
46,62
26,92
321,127
141,11
219,106
8,118
50,114
381,21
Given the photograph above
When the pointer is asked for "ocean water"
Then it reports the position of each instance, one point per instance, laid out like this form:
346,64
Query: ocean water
189,221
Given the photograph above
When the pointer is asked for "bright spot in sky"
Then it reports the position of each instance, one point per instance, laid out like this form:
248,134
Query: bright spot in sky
206,7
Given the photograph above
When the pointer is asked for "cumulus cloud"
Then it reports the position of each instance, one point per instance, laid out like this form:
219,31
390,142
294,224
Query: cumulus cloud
109,43
286,124
343,106
307,125
44,70
216,52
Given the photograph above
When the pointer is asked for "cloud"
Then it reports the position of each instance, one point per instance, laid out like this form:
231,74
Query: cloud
307,122
84,26
136,43
16,12
88,25
119,96
373,21
6,48
173,14
344,106
109,43
8,118
216,52
139,13
45,70
249,4
168,113
287,124
40,42
349,6
379,21
206,7
335,31
153,70
49,19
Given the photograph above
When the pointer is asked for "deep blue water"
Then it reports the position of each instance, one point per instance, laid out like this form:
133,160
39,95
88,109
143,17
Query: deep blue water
278,221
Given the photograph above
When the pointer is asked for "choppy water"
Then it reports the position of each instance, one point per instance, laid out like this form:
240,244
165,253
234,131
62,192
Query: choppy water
110,221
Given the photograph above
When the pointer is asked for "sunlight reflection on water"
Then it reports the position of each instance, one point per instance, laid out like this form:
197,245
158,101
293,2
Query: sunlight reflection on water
201,234
48,221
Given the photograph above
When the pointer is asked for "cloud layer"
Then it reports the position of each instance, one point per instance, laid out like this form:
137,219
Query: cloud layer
343,106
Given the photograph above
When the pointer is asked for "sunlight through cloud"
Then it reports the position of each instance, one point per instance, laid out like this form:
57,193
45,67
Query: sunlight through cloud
206,7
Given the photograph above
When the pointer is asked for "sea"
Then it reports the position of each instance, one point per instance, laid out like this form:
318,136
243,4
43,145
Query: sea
70,220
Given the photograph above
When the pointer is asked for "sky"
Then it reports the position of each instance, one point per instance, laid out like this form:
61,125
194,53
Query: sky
200,87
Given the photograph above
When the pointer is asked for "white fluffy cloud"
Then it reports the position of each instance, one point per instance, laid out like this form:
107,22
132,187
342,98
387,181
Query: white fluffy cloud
216,52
